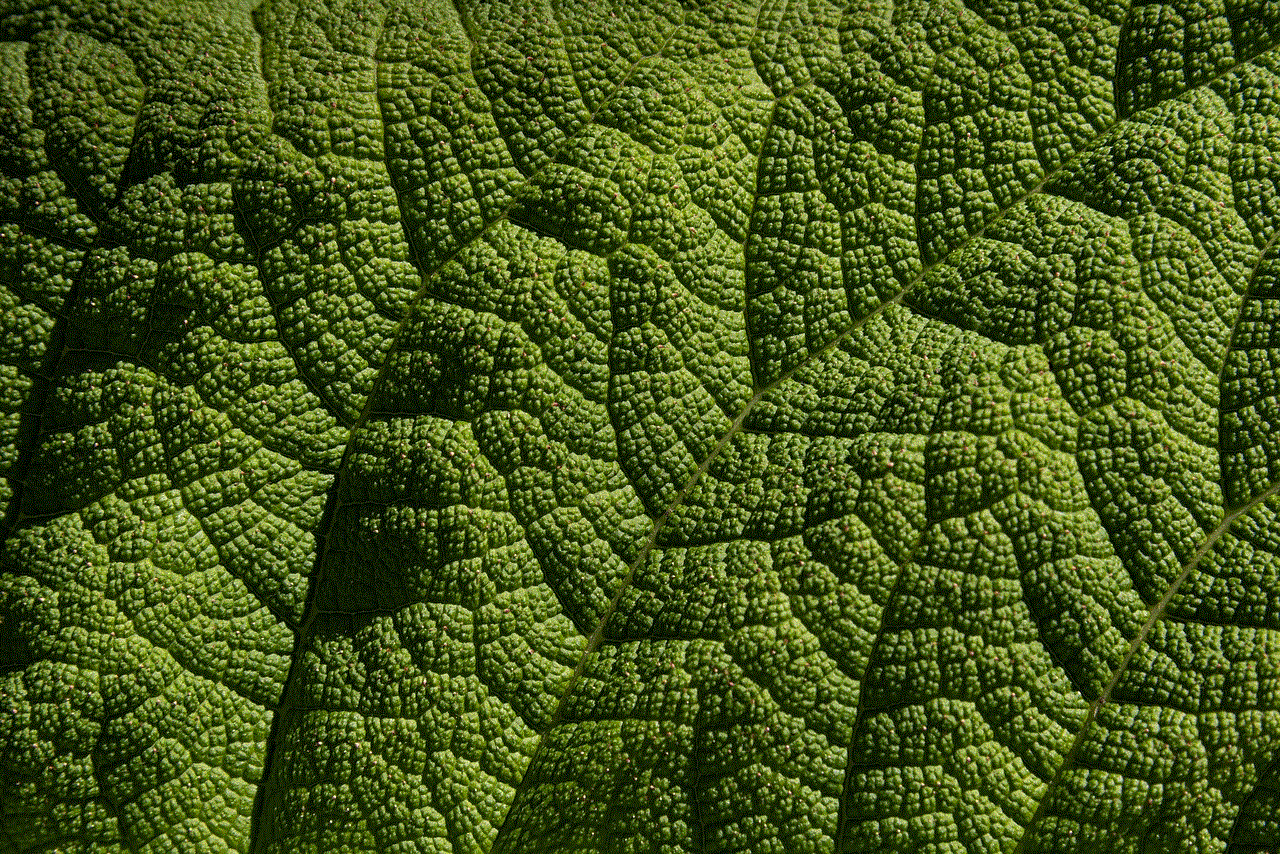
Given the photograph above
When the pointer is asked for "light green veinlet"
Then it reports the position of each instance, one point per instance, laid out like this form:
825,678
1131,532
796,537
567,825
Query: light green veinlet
537,427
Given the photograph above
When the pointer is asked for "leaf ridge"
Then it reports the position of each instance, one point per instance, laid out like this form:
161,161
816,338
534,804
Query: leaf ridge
1250,282
761,390
323,538
842,817
44,379
1156,612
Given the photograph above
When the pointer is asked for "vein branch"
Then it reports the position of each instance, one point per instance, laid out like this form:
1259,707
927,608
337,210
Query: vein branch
1154,615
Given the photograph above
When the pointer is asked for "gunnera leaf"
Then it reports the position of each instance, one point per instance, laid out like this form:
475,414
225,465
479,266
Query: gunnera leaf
501,427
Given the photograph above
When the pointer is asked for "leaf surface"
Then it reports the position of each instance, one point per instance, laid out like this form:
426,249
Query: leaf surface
538,427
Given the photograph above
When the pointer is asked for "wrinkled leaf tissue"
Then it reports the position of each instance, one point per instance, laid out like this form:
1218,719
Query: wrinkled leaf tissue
548,427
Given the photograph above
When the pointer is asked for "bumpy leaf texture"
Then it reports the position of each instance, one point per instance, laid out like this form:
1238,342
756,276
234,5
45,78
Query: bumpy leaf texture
546,427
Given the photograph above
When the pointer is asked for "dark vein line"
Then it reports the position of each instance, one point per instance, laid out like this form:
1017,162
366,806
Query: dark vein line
1266,783
44,383
60,240
761,390
843,822
1156,612
259,29
259,248
597,636
288,706
752,354
1250,282
44,379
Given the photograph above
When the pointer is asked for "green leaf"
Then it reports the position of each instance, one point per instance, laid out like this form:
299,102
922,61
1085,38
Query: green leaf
538,427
